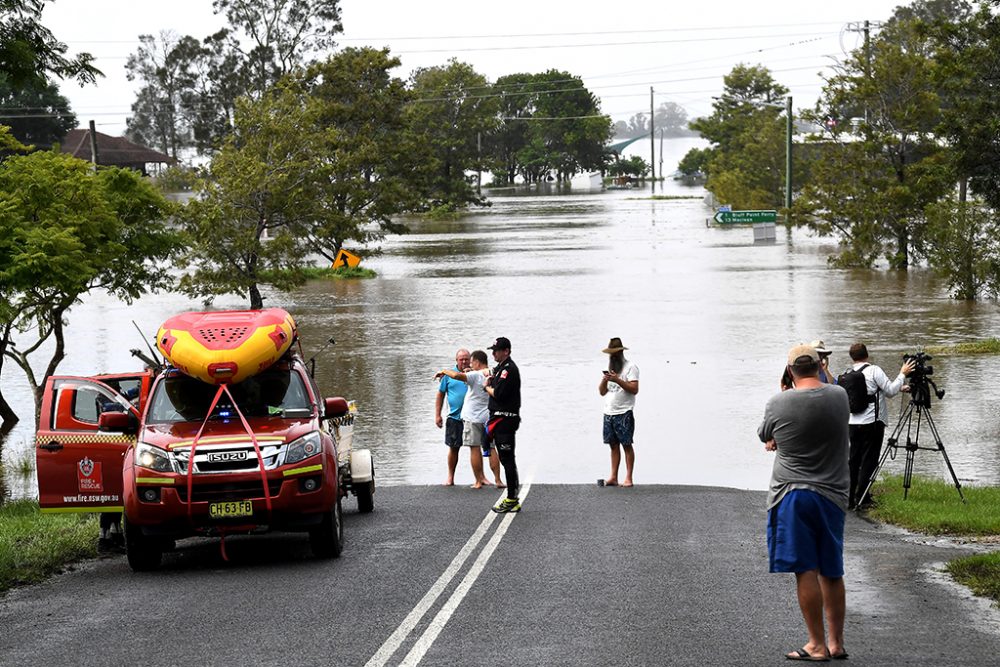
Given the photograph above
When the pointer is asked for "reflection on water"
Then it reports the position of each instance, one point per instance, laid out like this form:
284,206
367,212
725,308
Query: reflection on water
706,315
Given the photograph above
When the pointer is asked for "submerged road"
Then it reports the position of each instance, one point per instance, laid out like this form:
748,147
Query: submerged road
654,575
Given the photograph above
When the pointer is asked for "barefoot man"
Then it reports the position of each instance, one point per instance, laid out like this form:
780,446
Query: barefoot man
619,386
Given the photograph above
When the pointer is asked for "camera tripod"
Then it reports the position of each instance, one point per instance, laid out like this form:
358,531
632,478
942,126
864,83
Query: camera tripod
919,404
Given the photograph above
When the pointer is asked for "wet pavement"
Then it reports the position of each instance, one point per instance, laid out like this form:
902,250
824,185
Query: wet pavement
655,575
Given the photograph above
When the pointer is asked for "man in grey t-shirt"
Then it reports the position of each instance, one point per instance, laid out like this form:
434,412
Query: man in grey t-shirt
806,427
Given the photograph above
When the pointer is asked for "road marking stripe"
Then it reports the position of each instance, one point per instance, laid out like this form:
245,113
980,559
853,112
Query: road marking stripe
423,644
394,641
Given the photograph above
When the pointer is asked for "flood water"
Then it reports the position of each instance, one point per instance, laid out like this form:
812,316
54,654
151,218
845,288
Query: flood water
706,314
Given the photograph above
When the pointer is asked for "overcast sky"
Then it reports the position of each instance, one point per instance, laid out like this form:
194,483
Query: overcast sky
681,50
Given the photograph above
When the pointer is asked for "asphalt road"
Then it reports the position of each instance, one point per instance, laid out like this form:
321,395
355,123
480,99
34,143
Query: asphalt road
654,575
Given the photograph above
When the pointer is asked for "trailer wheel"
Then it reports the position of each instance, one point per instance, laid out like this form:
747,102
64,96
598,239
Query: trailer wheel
143,552
366,494
327,539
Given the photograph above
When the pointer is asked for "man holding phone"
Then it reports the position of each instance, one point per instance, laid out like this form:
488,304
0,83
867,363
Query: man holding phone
619,386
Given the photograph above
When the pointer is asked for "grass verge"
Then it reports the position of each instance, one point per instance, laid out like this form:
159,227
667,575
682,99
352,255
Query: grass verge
665,197
340,273
985,346
933,507
34,546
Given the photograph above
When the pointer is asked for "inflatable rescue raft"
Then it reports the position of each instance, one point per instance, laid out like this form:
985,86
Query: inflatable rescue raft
226,346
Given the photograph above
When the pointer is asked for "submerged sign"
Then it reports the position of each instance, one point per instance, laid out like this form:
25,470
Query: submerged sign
745,217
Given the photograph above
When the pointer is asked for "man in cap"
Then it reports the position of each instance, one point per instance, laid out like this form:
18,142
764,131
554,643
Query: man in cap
806,427
504,388
825,375
618,386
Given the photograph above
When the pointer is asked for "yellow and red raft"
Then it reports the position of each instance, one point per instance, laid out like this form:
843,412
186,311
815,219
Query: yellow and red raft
226,346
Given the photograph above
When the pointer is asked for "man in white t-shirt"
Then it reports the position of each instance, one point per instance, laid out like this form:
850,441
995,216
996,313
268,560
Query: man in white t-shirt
619,386
475,414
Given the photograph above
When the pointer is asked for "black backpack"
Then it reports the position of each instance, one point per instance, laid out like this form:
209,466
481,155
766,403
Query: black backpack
853,382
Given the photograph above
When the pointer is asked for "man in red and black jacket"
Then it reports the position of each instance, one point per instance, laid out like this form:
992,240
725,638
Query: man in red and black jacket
504,388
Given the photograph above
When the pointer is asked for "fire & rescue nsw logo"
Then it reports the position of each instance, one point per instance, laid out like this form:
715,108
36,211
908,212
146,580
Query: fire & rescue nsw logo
89,477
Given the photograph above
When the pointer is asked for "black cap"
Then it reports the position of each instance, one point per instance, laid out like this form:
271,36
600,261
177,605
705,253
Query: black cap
501,344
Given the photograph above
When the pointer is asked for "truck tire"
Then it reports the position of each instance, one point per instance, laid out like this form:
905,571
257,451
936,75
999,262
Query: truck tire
327,539
143,552
366,494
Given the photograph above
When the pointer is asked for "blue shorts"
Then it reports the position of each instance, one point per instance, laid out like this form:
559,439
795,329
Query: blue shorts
805,531
619,429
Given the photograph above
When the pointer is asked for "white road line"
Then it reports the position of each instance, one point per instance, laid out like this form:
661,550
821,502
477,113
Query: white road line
394,641
423,644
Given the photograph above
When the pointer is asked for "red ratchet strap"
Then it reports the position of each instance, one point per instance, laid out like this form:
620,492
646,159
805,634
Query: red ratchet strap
194,445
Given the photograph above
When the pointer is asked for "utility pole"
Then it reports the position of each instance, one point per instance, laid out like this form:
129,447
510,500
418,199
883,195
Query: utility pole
788,159
652,141
93,145
865,27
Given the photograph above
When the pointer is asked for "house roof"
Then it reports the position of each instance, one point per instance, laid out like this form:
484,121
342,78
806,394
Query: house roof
111,150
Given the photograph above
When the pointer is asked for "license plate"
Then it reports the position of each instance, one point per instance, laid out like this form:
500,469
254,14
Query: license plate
235,508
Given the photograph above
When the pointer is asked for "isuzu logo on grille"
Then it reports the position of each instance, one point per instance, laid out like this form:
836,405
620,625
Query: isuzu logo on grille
225,457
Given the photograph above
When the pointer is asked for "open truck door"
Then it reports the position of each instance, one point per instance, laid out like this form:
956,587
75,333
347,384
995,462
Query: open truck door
84,429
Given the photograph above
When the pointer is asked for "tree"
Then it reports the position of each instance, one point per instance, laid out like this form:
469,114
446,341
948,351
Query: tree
371,165
325,158
163,66
694,162
46,114
259,184
634,166
745,164
873,183
284,34
963,241
65,231
452,109
671,119
968,52
29,51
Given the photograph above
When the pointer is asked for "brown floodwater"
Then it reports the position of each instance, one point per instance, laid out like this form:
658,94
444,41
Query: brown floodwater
706,314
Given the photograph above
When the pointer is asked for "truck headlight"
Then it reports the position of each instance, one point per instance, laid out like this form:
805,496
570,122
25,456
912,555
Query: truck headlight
153,458
303,448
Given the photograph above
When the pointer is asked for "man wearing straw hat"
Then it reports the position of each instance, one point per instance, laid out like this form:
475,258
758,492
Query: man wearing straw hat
619,386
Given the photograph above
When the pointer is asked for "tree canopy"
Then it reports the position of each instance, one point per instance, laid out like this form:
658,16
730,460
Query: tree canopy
29,52
43,117
64,231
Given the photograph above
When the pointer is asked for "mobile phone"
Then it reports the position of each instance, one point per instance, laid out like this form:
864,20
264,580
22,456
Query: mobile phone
606,372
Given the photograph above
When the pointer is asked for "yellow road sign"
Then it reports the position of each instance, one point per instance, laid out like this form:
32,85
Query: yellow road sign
346,259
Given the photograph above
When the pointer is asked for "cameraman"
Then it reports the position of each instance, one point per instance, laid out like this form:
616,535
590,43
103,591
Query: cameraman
868,427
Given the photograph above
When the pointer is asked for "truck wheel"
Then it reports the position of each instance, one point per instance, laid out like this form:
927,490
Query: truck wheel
365,493
327,539
143,552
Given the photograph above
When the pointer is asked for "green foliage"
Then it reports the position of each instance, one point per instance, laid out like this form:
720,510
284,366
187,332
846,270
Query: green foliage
37,98
34,546
979,573
695,161
746,162
968,53
963,245
176,178
324,158
549,124
29,51
451,111
882,165
634,166
932,506
338,273
985,346
64,231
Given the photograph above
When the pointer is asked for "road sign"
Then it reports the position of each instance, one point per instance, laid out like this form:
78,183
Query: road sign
745,217
346,259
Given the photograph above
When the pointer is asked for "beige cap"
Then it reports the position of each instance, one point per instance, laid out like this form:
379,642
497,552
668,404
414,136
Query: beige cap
800,351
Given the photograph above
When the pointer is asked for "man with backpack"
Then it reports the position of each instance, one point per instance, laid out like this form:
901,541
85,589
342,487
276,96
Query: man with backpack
867,387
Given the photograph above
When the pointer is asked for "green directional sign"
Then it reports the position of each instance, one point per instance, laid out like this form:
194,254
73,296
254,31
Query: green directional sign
745,217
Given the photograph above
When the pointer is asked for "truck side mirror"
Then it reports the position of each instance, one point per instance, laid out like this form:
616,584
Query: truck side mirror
334,407
116,421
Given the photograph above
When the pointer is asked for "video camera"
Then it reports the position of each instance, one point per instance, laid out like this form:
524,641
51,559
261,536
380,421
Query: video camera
920,381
